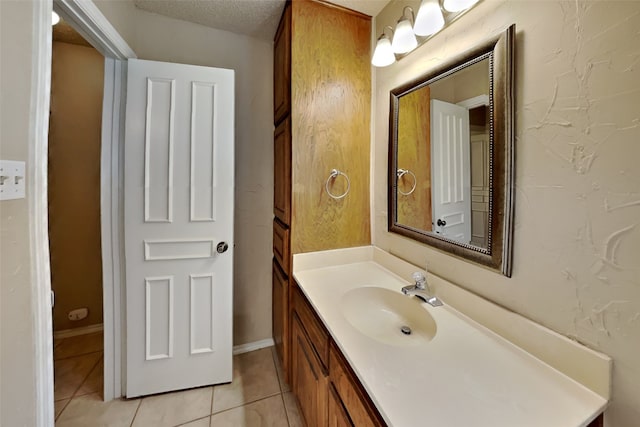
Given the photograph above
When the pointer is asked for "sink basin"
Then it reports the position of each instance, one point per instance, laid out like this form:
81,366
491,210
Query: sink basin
382,314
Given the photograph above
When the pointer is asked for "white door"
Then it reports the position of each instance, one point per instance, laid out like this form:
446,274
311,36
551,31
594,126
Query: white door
179,192
450,169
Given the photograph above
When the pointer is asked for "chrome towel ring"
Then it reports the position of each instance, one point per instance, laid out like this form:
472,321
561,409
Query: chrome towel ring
333,175
402,172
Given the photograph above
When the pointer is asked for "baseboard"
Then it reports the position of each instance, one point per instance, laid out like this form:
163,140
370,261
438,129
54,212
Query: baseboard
251,346
237,349
83,330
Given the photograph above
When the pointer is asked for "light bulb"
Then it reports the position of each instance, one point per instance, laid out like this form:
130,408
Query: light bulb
54,18
383,54
429,20
404,41
458,5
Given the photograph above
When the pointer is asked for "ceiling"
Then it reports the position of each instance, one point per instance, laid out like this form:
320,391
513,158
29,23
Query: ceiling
256,18
63,32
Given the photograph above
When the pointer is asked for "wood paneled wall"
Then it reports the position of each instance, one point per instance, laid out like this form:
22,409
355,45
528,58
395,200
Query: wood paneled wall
414,154
331,99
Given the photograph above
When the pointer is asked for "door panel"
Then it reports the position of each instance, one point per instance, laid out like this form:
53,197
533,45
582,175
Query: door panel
450,168
179,193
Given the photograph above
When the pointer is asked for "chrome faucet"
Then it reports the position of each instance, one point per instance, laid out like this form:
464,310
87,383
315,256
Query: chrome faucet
421,290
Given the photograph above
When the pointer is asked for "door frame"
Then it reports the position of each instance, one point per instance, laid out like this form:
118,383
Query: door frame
89,21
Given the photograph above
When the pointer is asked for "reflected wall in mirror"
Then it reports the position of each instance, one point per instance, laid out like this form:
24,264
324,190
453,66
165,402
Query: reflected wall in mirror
451,156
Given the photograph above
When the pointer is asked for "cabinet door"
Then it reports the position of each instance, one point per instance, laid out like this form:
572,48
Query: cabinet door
282,67
308,381
282,172
350,392
280,313
281,245
337,415
330,102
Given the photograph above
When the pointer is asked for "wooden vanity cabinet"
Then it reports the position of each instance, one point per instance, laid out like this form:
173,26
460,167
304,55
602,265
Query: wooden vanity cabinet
319,50
328,392
281,319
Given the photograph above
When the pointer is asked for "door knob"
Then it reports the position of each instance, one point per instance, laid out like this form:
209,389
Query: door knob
441,223
222,247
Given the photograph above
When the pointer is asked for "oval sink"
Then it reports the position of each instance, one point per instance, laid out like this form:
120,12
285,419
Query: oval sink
383,315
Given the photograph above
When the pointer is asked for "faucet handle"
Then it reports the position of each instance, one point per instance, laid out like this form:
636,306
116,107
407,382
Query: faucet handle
420,279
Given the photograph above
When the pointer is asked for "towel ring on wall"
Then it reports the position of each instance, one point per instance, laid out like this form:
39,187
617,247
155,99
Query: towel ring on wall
333,175
400,173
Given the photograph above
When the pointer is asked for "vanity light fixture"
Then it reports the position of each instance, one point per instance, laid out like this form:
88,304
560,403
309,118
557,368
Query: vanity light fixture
404,39
55,18
458,5
432,16
383,55
429,19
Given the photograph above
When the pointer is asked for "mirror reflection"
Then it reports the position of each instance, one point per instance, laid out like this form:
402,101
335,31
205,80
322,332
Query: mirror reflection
442,158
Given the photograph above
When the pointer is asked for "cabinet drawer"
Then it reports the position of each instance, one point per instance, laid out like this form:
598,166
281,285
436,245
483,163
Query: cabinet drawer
317,335
281,245
361,411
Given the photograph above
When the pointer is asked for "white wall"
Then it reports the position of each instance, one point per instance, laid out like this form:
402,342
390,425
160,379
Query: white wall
577,221
17,363
156,37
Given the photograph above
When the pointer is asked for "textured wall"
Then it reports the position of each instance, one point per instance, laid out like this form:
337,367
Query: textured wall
577,233
77,77
17,364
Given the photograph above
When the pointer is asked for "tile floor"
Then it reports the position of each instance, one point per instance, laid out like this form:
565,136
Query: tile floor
257,397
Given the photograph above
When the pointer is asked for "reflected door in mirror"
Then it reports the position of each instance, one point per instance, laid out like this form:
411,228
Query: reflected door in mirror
451,170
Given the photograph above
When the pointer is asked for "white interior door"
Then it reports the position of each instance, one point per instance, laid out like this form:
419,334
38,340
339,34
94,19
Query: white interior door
179,193
450,171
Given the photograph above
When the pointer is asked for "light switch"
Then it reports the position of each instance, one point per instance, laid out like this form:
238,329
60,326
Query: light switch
12,180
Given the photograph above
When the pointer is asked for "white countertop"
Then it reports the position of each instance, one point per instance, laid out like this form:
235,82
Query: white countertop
465,376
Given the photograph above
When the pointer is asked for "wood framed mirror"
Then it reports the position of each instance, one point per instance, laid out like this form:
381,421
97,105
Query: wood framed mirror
451,155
